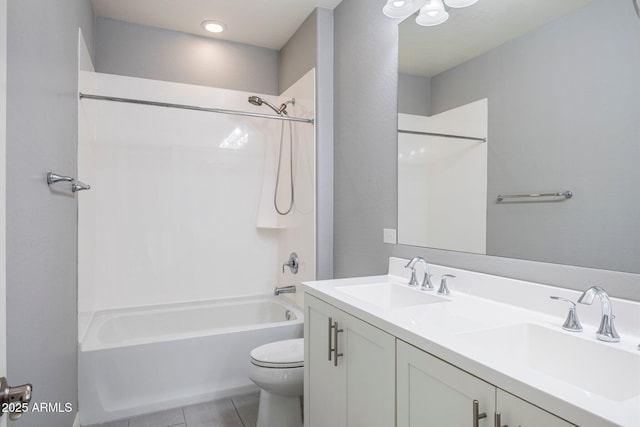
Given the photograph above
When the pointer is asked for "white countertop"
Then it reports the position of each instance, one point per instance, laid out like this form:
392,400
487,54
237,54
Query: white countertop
483,302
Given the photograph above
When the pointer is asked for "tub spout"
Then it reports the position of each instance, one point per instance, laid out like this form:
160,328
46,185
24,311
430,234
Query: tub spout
285,290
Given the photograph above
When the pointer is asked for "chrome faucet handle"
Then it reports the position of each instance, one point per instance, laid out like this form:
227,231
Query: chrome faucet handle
293,263
572,323
607,331
413,281
444,289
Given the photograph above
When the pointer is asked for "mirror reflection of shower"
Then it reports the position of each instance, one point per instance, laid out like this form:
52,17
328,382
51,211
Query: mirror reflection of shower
282,111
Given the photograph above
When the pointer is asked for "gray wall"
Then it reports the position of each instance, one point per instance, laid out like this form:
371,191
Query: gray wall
324,144
312,46
140,51
366,167
561,117
299,54
42,128
414,93
365,137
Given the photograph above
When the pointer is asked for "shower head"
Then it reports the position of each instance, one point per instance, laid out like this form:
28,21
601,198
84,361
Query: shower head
257,101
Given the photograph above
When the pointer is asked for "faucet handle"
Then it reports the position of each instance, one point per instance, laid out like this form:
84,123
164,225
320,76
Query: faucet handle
293,263
413,281
572,323
444,289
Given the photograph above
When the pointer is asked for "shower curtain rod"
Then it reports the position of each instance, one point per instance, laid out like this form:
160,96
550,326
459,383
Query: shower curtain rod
444,135
193,107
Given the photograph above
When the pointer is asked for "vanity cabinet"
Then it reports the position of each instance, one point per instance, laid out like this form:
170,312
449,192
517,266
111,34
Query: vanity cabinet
349,370
431,392
515,412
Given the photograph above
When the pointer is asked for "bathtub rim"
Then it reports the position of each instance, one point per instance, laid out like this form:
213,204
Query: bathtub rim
97,318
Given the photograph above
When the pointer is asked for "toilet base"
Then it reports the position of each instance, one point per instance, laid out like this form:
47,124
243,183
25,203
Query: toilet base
279,411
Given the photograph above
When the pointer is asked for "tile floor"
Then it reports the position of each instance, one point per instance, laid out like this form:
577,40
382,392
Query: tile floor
238,411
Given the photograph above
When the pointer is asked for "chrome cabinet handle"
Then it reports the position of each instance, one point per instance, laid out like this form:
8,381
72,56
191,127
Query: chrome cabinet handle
329,337
336,331
476,415
498,420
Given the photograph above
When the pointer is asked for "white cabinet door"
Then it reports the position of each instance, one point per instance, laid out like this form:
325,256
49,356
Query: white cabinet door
360,390
432,393
370,359
515,412
325,394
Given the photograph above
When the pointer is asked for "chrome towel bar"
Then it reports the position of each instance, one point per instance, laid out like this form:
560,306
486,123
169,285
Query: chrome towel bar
443,135
565,194
76,185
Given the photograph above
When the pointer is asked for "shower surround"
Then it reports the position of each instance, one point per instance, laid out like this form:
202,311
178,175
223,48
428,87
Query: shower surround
181,207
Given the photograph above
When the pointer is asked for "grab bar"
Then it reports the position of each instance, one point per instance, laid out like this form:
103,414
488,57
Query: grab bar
76,185
565,194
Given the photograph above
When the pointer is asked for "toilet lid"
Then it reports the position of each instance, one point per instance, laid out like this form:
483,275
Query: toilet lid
279,354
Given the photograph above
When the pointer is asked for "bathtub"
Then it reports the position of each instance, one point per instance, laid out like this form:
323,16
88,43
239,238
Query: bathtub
136,361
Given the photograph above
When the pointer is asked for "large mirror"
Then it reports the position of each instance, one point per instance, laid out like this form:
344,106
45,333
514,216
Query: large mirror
522,97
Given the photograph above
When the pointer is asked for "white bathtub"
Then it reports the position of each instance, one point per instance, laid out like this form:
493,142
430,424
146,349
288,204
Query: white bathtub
141,360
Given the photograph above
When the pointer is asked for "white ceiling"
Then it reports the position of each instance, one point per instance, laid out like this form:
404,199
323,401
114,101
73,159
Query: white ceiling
471,31
265,23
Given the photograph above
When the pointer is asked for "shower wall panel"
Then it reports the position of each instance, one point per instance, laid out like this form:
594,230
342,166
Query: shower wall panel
442,182
175,196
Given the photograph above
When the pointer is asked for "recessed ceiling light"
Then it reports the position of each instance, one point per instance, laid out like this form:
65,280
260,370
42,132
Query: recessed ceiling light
213,26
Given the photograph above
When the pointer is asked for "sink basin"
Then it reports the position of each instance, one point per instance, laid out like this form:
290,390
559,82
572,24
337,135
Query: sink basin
597,368
390,295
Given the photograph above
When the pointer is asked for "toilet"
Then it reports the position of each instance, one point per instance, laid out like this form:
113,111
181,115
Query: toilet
278,369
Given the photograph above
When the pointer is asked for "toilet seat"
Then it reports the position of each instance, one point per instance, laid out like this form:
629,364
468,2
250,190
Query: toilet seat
279,354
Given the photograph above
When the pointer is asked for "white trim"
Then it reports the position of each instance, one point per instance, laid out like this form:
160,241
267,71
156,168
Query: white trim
76,420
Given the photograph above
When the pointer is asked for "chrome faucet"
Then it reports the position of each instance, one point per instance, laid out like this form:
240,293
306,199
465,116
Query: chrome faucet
425,285
284,290
607,331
